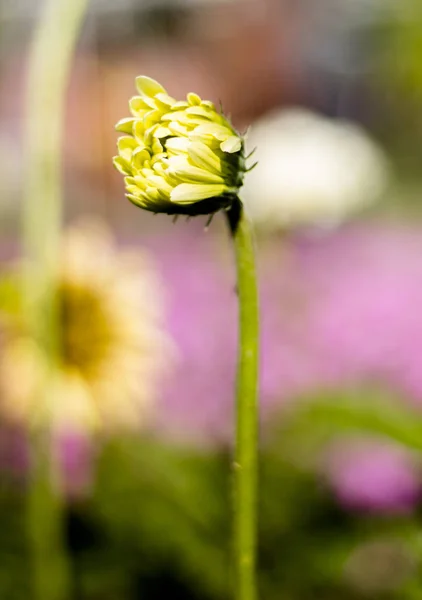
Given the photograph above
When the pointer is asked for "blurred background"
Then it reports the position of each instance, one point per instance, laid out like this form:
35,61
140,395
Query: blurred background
330,92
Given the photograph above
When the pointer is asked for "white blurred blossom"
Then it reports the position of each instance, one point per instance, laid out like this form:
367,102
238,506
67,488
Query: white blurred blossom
311,170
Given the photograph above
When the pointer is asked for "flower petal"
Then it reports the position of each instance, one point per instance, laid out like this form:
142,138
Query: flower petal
178,129
180,104
200,111
138,106
125,125
231,145
126,145
204,157
160,183
137,200
183,170
218,131
149,87
122,165
139,156
176,115
165,100
193,192
151,118
139,131
194,99
162,132
177,145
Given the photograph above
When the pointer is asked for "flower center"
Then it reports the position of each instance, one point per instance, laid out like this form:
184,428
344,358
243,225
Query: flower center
86,334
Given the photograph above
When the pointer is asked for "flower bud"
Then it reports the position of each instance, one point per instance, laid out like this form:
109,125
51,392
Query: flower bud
178,157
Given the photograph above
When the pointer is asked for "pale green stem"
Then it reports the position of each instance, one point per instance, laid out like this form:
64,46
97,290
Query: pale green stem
246,443
50,567
49,66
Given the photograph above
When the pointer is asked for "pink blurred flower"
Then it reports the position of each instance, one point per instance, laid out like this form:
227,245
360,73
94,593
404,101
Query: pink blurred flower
337,310
197,402
365,287
373,476
75,454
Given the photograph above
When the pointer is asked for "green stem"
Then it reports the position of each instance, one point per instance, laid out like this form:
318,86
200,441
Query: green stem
46,528
49,66
246,449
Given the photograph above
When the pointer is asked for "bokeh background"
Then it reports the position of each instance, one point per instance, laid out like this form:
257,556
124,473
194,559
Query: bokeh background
331,91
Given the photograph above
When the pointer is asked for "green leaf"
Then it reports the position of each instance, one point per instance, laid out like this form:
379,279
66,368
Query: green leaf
377,416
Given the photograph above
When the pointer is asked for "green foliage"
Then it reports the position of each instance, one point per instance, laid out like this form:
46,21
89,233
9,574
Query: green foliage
169,505
13,555
316,420
405,47
158,521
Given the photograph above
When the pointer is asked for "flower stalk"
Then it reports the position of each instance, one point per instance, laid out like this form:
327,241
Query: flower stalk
245,470
50,59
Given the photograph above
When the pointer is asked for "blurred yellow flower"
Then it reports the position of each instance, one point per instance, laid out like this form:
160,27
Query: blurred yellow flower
178,157
113,345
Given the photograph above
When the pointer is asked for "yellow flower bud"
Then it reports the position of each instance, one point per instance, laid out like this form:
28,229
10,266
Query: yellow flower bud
178,157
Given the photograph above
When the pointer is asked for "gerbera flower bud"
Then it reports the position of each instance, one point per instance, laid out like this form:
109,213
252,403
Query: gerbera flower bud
178,157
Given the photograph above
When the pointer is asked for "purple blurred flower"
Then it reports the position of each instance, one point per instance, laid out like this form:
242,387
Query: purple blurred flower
202,319
197,402
337,310
373,476
343,310
75,455
365,287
